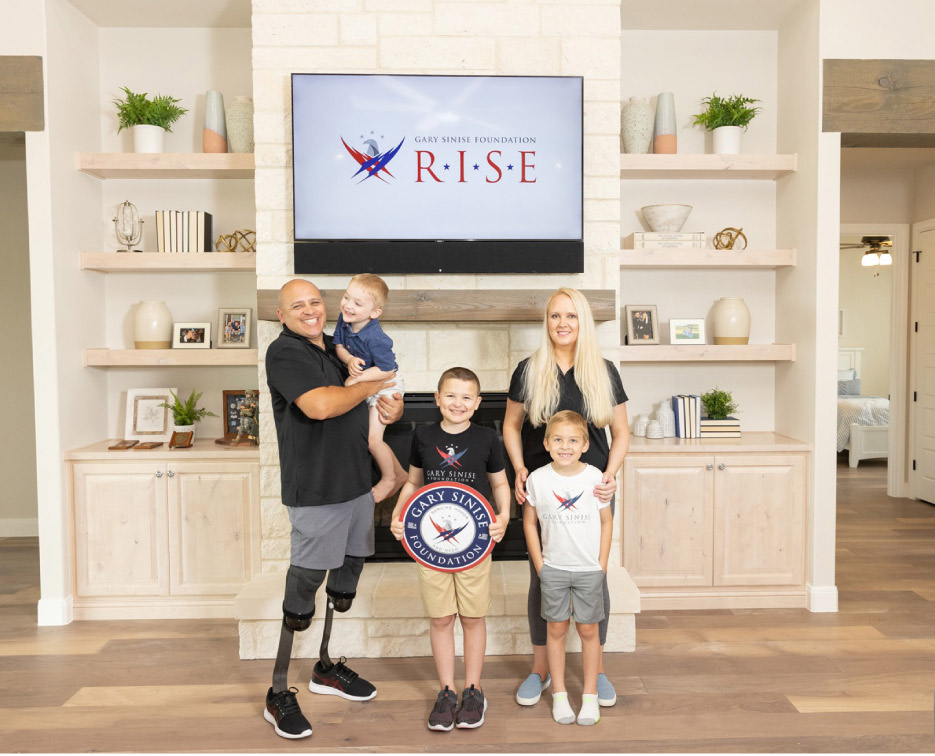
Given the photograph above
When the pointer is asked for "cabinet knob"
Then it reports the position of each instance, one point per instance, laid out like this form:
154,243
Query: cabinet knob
171,473
158,473
719,467
709,466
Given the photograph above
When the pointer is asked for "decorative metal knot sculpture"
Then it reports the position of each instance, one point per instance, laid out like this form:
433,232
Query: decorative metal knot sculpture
243,240
728,237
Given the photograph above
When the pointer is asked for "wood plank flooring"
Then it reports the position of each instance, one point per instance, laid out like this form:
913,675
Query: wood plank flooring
860,680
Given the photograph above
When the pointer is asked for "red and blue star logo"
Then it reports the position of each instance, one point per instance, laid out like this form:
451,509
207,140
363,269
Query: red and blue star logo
449,458
372,160
566,504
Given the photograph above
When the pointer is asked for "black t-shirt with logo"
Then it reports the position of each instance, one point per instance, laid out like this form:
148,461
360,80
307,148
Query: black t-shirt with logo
465,457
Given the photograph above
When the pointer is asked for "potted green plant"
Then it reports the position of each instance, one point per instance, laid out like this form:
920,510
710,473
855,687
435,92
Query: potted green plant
726,117
719,404
186,414
150,119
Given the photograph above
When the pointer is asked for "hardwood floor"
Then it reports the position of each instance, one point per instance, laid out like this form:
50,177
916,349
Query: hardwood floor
860,680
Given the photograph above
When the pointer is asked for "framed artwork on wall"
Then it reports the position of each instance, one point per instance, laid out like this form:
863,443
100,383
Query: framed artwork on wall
234,327
686,331
147,418
191,335
642,324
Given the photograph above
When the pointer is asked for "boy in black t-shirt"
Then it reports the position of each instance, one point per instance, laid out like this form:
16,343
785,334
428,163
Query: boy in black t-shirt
456,451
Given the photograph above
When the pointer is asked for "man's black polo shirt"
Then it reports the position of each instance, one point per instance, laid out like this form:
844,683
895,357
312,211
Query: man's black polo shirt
321,461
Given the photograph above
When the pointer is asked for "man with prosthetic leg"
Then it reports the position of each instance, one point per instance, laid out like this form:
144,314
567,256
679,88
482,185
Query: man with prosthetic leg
322,431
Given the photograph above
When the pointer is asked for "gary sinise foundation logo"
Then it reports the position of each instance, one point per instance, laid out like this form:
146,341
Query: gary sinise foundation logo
456,159
446,526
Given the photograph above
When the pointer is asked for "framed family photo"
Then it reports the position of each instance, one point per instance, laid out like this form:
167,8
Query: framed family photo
234,327
686,331
191,335
147,418
642,324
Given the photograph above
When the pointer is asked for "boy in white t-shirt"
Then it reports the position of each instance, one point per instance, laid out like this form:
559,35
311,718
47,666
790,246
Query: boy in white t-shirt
572,558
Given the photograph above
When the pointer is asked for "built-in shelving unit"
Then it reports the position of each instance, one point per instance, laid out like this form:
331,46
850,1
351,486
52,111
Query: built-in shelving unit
707,353
170,357
736,167
707,258
156,262
167,165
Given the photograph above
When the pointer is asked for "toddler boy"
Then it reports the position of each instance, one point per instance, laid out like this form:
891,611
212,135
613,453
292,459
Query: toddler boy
572,557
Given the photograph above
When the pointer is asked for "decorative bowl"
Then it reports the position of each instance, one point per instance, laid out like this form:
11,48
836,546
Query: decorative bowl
666,218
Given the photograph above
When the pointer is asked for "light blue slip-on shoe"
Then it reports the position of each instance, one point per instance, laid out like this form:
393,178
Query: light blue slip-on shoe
606,695
530,691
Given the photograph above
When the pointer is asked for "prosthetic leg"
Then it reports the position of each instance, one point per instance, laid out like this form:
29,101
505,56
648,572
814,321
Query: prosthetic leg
298,608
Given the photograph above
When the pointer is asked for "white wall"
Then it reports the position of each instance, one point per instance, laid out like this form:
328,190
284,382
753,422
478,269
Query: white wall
877,194
679,61
18,507
924,194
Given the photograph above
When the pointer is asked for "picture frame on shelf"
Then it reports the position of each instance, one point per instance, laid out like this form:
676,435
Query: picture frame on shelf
642,324
234,327
181,440
233,398
191,335
147,419
686,331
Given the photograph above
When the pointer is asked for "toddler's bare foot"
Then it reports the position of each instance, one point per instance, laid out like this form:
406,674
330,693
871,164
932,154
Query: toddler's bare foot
386,487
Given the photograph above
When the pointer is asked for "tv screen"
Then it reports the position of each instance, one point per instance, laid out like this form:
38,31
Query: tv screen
385,167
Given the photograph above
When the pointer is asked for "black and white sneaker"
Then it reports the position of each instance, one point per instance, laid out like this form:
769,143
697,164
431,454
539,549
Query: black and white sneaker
473,706
342,681
442,717
283,713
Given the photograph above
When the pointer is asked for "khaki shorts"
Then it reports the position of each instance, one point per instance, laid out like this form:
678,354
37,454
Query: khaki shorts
466,593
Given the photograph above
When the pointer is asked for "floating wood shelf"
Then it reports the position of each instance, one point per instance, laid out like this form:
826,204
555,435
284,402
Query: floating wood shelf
170,357
167,165
156,262
457,305
706,258
739,167
708,353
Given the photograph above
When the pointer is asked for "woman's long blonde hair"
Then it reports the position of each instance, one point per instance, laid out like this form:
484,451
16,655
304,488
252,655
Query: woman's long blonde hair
540,379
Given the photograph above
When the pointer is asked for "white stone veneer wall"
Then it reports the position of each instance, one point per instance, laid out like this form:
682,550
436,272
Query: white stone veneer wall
424,36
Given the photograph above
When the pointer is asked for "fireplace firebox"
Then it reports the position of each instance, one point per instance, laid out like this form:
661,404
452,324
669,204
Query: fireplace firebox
420,409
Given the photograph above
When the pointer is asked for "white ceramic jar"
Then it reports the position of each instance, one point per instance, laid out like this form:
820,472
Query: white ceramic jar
240,125
636,126
731,320
152,325
639,426
666,417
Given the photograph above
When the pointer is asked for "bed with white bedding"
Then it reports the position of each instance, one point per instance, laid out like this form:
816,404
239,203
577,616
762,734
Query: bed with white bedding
863,421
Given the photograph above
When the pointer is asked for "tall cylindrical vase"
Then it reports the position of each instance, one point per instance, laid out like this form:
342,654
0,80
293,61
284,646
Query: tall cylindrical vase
240,125
665,140
731,320
152,325
636,126
214,133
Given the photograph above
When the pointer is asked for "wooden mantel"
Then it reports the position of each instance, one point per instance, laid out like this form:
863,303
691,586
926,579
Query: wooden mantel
458,305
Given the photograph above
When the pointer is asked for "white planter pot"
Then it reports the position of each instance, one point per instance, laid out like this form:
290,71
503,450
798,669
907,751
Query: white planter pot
152,326
149,138
731,320
185,429
727,140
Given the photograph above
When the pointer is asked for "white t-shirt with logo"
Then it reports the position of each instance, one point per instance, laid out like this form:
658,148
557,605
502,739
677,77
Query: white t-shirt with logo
569,517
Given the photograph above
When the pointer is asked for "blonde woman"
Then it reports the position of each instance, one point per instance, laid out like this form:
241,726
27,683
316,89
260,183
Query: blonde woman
566,372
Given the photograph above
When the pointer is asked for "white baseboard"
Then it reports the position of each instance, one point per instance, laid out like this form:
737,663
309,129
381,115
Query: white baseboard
55,612
823,598
23,527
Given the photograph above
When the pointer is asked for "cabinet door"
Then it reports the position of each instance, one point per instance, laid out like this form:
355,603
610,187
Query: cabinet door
120,529
668,520
213,526
760,533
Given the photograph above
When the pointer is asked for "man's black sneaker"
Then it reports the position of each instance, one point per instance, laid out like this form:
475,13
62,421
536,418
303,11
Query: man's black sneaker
473,706
283,713
443,713
342,681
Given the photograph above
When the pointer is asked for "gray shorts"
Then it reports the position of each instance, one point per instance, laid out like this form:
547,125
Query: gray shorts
322,536
564,592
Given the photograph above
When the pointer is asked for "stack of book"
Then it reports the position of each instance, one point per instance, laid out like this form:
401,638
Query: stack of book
687,409
184,231
729,427
666,240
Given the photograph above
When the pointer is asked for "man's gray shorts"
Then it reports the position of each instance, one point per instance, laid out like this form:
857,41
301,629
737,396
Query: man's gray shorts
564,592
322,536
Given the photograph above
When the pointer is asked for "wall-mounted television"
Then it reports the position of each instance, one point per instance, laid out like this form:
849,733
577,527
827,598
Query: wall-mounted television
437,174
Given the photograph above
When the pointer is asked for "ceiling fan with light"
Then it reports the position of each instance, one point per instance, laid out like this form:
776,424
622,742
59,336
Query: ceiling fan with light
878,250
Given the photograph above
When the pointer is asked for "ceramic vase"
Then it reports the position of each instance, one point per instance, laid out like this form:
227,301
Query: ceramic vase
639,427
240,125
152,326
731,320
636,126
148,138
665,140
214,133
727,140
654,429
666,417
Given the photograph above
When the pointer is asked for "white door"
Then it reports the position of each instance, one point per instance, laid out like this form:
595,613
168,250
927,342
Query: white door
923,380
